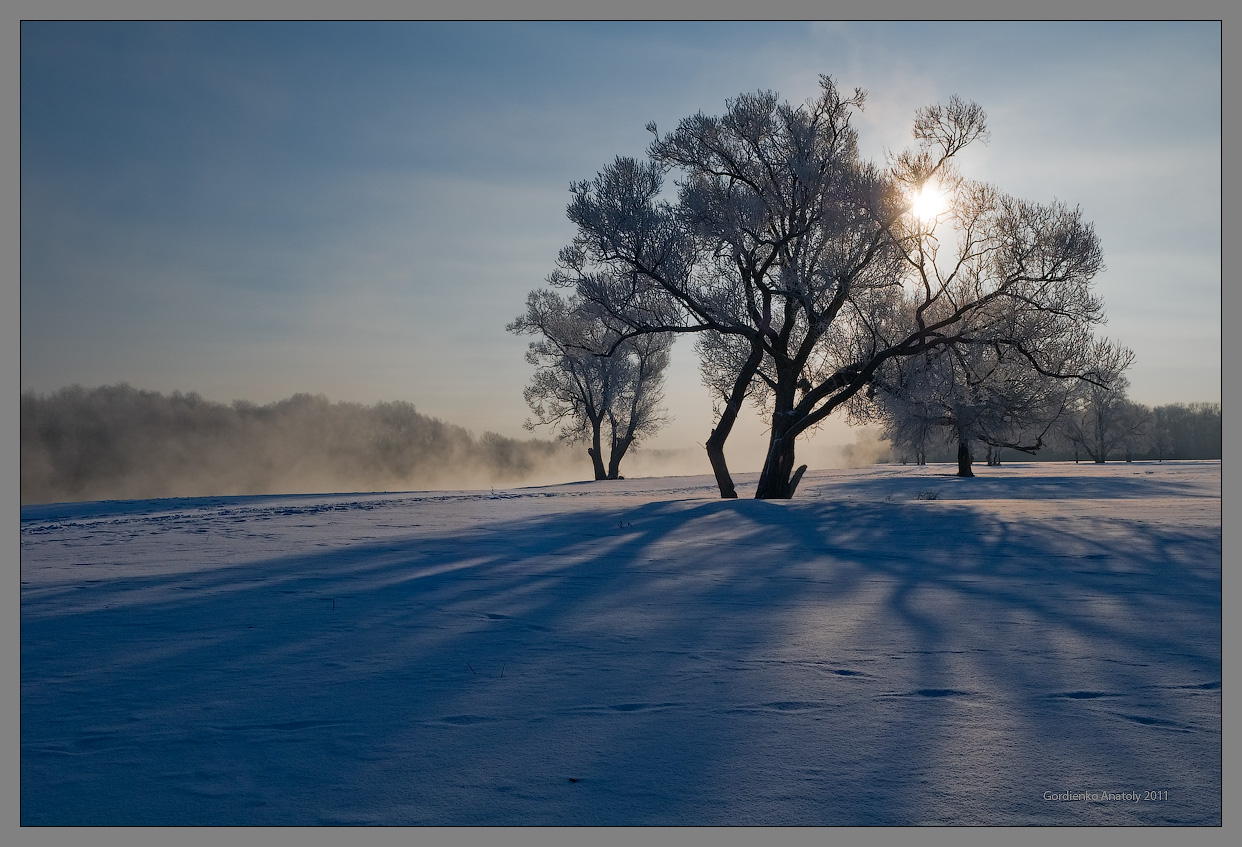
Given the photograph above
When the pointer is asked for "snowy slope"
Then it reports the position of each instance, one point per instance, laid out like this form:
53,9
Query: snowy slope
633,652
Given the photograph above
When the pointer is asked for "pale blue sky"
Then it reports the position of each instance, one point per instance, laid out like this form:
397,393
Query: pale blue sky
253,210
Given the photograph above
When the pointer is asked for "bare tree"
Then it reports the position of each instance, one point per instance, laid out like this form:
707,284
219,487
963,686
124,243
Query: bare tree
1182,431
1105,421
805,270
1161,432
995,394
590,383
1101,418
911,436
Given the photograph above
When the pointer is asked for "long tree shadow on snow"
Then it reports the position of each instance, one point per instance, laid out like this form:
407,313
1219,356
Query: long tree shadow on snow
822,657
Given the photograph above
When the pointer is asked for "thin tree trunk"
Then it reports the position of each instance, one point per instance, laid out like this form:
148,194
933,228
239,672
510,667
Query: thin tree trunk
716,441
715,455
618,452
597,460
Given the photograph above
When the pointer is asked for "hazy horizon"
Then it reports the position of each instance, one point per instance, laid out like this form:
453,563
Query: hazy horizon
122,443
250,211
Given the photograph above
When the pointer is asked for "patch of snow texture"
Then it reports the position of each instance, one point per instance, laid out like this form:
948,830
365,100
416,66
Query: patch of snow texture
634,652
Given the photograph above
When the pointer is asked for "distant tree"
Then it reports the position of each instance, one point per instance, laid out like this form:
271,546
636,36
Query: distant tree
1136,440
591,383
804,270
1102,419
908,411
1180,431
973,394
1003,393
1205,420
1161,431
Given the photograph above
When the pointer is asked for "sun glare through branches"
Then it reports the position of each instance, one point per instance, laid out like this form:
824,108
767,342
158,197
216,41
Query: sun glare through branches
928,204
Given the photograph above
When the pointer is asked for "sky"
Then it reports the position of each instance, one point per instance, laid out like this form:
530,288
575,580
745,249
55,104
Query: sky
252,210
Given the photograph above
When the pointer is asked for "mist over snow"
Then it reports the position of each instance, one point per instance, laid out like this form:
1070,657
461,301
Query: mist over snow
1038,645
118,442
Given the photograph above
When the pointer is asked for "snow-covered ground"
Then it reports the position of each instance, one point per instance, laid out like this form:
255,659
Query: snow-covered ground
894,646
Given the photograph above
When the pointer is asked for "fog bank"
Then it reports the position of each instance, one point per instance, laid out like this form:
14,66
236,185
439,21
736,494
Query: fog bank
118,442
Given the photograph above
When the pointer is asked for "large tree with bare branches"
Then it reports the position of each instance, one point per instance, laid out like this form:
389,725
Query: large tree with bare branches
804,270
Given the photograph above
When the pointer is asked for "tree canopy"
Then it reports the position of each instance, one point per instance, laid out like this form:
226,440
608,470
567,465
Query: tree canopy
806,272
592,383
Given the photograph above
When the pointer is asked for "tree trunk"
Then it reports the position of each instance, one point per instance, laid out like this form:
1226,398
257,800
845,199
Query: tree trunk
963,459
715,455
619,449
777,470
597,460
778,467
716,441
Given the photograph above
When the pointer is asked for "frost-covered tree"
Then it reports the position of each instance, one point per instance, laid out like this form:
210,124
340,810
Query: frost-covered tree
1102,419
1161,432
591,383
911,436
965,394
998,394
1182,431
1104,423
770,192
804,269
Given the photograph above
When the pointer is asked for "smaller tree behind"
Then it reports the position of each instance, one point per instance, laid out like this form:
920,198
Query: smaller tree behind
592,384
1102,420
1004,392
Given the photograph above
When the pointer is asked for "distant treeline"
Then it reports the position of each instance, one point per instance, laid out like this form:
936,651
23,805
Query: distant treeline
117,442
1191,431
1174,431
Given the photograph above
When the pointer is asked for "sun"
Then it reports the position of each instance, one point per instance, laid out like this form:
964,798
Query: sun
928,204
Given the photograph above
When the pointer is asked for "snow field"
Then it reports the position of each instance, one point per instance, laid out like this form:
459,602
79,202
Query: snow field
894,646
